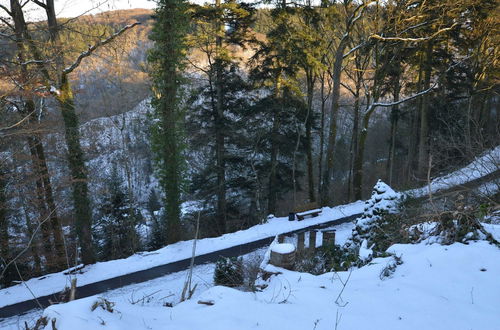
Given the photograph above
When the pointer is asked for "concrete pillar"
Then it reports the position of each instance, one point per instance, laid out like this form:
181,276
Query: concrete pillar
328,237
281,238
301,237
283,255
312,240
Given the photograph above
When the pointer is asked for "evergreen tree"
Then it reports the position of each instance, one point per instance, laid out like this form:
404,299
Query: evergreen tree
217,30
117,225
201,130
167,59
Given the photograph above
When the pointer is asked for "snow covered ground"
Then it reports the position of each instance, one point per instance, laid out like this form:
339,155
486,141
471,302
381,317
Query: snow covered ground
423,295
436,287
167,289
56,282
483,165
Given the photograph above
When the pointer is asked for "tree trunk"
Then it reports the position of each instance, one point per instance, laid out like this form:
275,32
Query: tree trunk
310,94
394,127
221,212
83,213
171,160
20,29
37,264
414,131
272,195
44,212
55,223
321,133
423,145
336,76
4,224
354,143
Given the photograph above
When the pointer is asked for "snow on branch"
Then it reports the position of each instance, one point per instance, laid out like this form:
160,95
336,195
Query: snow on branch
390,104
354,49
432,36
358,12
94,47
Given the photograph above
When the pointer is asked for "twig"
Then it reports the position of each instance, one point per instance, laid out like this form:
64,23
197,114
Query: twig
337,319
344,284
133,301
189,278
26,285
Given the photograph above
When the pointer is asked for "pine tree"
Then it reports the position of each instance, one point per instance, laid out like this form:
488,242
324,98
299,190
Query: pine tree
217,29
167,59
117,225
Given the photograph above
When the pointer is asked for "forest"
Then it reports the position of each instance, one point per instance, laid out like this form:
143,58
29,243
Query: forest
130,130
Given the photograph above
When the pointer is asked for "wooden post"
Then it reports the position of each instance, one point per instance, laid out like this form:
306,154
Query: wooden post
312,240
72,292
281,238
301,237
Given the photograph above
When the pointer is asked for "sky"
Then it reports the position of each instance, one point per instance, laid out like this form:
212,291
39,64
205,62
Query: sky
71,8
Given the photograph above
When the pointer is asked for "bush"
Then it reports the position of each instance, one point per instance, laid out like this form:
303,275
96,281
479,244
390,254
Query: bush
380,225
327,259
228,272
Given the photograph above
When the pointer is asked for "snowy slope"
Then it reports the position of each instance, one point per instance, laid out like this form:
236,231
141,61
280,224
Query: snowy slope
168,288
483,165
56,282
437,287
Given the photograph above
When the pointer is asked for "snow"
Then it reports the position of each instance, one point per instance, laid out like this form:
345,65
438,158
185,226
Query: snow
309,212
364,252
483,165
436,287
383,200
56,282
283,248
493,229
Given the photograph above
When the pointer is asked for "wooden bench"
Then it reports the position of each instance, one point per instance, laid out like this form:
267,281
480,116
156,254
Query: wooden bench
309,209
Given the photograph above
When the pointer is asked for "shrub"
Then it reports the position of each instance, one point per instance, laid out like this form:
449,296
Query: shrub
228,272
380,225
327,259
